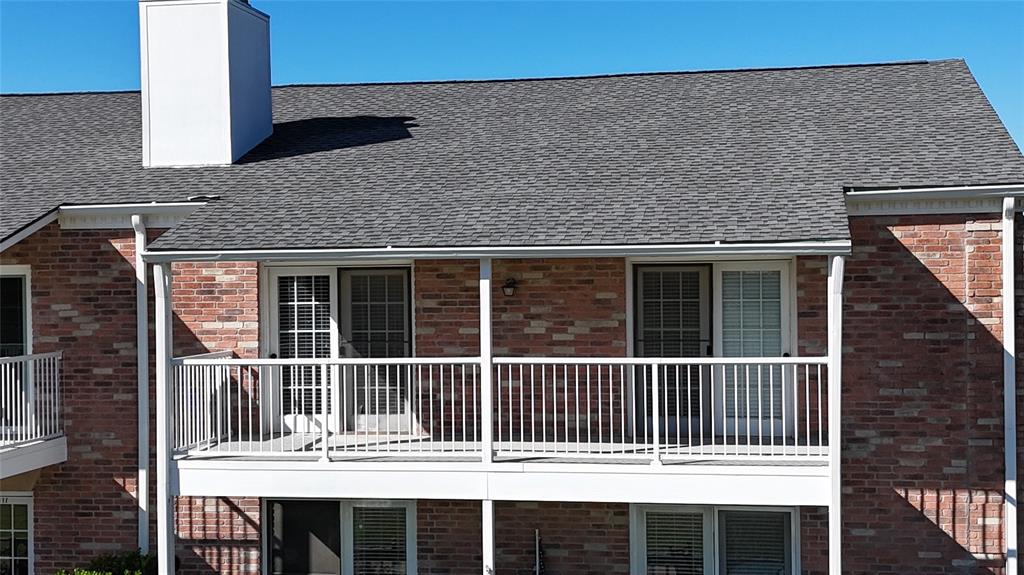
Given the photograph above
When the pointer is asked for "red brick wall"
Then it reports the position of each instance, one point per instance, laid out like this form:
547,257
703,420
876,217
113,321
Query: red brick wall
1019,308
448,537
83,302
583,538
216,308
563,307
922,403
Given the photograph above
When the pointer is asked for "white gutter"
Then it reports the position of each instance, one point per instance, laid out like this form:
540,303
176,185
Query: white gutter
1010,387
832,247
939,193
142,355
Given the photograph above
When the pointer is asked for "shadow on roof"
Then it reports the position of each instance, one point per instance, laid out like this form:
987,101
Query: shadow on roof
312,135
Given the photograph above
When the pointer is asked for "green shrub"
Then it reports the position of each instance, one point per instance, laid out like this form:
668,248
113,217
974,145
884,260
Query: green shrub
130,563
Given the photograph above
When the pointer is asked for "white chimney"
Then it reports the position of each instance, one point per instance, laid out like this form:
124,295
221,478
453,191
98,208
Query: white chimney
205,81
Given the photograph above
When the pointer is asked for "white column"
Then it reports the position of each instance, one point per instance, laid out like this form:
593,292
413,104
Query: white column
1010,493
487,508
486,368
835,374
164,509
142,358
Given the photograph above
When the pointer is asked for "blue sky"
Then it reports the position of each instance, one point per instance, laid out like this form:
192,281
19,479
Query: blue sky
83,45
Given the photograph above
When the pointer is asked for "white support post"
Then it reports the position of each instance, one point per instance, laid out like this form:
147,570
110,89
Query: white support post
142,358
164,352
486,367
487,508
835,375
1010,494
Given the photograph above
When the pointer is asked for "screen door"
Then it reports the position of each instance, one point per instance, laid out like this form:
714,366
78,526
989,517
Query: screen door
375,323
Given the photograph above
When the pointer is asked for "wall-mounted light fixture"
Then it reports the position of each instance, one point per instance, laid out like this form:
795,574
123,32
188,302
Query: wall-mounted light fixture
509,287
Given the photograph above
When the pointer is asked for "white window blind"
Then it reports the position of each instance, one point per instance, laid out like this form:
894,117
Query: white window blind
752,327
754,543
379,540
674,543
304,331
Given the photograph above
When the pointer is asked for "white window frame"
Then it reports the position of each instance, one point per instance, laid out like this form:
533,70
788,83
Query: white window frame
712,560
25,498
348,531
24,271
347,540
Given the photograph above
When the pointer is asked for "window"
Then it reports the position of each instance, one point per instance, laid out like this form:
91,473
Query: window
15,332
694,540
316,537
15,535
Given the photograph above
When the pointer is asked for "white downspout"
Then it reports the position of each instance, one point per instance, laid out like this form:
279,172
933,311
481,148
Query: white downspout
142,354
835,391
1009,387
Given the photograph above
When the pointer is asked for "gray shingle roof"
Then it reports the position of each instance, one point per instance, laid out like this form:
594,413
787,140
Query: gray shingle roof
733,156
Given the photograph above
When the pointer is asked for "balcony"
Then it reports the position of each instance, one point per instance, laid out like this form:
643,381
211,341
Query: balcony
610,410
31,427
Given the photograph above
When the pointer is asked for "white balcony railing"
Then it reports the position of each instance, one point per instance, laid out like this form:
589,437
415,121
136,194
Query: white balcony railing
30,398
607,408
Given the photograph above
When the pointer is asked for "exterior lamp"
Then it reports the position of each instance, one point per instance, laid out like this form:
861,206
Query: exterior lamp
509,287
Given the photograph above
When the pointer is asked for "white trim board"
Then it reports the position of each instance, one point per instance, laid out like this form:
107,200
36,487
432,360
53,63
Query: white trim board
119,216
781,249
948,200
621,483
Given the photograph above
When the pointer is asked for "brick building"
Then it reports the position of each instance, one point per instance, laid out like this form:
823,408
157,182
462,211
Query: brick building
599,324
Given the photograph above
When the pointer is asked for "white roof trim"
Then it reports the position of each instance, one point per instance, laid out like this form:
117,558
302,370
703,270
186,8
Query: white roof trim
942,200
119,216
832,247
28,230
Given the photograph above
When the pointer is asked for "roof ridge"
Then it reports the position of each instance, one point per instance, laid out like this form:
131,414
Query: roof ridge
539,78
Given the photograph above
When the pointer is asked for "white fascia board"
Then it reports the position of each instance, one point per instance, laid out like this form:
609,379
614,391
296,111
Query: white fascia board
938,200
119,216
29,230
623,483
831,247
25,458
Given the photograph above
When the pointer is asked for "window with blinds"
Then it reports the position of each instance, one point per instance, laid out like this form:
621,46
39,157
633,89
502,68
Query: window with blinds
379,540
752,327
304,331
672,321
754,543
691,540
674,543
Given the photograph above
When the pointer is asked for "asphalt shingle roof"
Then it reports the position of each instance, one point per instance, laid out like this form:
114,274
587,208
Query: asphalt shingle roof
731,156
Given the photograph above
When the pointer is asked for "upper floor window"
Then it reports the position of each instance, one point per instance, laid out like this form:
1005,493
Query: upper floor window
15,336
